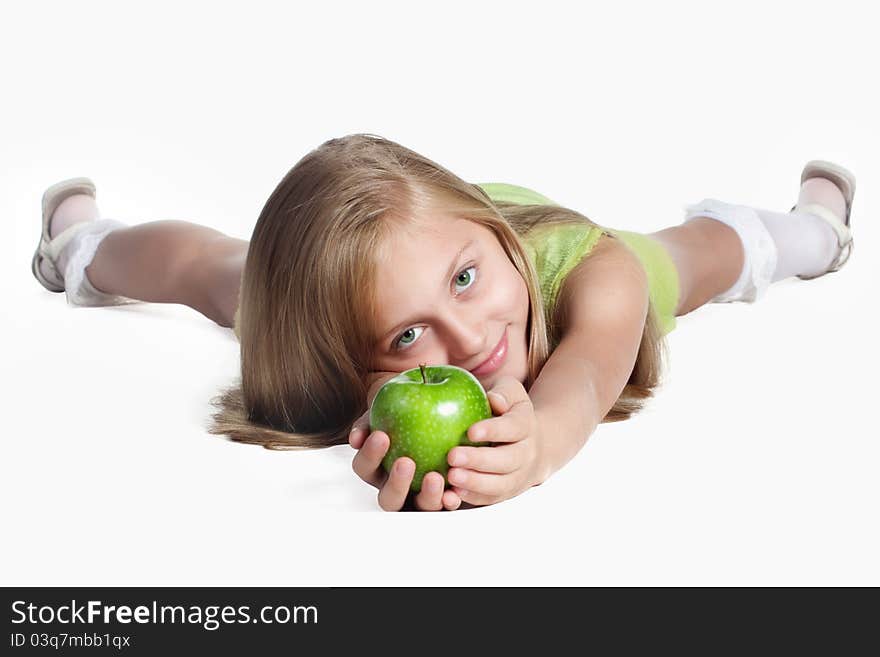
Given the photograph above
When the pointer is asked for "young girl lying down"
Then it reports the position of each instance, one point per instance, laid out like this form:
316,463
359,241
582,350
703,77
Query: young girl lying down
369,259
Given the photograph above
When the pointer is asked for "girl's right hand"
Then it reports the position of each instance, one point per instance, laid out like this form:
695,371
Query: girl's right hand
394,488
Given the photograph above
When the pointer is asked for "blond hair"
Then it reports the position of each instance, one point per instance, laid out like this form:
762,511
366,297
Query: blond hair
307,306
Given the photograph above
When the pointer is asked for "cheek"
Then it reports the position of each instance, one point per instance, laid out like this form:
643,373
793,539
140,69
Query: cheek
518,298
523,299
511,296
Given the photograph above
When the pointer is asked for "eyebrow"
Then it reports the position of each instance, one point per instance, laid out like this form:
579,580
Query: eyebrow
449,273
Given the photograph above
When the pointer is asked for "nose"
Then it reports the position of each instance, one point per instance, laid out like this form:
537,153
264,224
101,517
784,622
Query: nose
465,338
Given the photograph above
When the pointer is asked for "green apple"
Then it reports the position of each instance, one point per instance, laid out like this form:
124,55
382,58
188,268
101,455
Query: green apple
426,411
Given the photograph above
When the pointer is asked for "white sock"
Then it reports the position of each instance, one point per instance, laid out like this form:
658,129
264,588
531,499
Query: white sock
77,255
759,248
805,243
776,245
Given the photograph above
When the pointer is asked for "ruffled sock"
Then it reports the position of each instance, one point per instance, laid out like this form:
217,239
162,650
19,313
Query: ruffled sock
77,255
778,245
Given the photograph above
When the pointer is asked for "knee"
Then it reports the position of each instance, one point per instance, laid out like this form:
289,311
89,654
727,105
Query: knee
213,278
720,252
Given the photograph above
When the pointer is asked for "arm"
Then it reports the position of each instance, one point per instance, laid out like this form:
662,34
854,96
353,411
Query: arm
605,307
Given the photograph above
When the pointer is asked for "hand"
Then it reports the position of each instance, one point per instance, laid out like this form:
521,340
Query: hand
393,488
486,475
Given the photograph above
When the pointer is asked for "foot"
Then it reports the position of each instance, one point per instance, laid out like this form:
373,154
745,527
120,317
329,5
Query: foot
825,193
72,210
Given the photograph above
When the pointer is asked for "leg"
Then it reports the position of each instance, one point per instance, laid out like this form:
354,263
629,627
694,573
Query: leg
160,261
709,257
172,262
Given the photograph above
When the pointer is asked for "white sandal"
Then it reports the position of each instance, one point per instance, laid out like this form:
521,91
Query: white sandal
48,249
846,181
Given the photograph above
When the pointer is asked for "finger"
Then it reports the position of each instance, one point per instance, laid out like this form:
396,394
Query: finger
471,498
502,459
481,483
497,402
430,497
367,463
356,437
451,500
359,431
393,493
508,428
509,391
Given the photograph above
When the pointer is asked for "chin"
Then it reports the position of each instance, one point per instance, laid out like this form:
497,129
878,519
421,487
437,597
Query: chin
519,371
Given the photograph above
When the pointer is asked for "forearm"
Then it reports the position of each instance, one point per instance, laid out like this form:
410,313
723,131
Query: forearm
564,397
607,305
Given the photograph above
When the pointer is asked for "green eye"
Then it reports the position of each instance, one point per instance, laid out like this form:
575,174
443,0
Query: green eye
402,342
467,278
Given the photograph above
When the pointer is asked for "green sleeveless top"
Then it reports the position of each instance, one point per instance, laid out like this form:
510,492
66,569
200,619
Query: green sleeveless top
556,250
553,250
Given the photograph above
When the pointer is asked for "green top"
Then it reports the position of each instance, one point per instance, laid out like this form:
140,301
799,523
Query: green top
556,249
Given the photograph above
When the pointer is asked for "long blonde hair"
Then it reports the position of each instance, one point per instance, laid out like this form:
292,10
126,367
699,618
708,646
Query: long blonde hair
307,303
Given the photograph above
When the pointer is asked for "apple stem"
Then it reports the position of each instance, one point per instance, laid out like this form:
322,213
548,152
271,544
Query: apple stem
422,370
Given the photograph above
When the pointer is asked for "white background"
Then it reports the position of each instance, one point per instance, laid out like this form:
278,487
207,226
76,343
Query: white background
756,463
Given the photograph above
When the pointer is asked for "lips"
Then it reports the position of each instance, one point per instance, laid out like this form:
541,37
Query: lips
495,359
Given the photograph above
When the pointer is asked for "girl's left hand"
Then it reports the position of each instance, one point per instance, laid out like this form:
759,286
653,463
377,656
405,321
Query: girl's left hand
486,475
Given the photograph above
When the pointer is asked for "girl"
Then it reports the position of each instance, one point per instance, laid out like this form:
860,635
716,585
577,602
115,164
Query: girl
369,259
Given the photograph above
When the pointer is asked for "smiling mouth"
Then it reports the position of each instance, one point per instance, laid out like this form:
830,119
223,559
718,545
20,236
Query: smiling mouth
495,358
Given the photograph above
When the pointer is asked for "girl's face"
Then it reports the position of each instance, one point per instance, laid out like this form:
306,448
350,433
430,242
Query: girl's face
441,305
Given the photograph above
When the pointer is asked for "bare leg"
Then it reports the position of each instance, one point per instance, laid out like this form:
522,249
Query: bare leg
162,261
708,256
172,262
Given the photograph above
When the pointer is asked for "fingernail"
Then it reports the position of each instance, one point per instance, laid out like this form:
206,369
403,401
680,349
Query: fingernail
403,467
479,433
457,458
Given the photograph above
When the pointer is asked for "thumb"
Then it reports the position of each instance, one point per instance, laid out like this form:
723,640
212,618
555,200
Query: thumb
497,401
506,392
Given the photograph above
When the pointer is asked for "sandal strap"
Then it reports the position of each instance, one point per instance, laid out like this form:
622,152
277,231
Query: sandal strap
843,232
54,248
842,257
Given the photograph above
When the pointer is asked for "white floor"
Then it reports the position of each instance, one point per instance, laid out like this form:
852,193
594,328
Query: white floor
755,465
